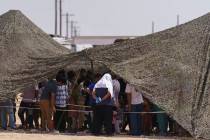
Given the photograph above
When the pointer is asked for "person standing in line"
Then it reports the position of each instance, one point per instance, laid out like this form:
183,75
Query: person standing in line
123,105
77,101
103,112
71,75
14,101
61,99
7,108
26,104
90,101
116,89
162,120
47,105
37,112
135,104
146,118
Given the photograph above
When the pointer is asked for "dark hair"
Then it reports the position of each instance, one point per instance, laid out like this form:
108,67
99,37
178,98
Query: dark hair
97,77
61,76
90,75
71,75
40,85
114,76
86,83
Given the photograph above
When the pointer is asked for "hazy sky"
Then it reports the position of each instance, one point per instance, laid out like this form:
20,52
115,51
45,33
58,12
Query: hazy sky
111,17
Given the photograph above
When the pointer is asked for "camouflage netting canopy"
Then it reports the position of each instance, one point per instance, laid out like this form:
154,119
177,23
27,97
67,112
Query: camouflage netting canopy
170,67
28,54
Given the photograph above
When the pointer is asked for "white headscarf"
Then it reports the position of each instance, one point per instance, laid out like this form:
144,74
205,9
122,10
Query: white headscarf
105,82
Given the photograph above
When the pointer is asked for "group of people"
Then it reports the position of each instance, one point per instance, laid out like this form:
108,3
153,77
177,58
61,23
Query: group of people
78,101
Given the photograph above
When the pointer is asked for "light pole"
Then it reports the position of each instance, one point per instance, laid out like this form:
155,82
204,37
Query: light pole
73,24
67,23
56,17
60,7
76,31
177,20
153,26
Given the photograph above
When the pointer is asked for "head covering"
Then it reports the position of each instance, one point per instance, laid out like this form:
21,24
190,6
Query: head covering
105,82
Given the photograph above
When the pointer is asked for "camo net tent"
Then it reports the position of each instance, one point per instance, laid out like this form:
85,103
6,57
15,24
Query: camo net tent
26,53
171,67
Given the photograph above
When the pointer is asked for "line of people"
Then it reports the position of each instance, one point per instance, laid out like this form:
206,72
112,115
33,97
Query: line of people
98,103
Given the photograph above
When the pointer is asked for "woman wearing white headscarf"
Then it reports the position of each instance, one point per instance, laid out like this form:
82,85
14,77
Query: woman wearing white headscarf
103,94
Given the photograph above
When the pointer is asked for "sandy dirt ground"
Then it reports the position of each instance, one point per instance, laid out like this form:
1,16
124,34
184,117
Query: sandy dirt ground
21,135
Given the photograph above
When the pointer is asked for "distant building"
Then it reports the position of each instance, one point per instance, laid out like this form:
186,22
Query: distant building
64,42
100,40
80,43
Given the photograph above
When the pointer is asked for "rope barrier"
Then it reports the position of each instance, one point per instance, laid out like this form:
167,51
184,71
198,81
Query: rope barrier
37,101
157,112
84,111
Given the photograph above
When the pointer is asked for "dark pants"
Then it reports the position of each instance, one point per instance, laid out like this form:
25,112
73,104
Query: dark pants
126,118
89,119
36,116
102,116
162,121
135,119
60,119
26,112
69,123
88,122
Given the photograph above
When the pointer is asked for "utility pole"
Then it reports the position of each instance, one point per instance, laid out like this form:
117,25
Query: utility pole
72,28
67,15
75,31
67,25
56,17
153,26
60,17
177,20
